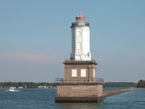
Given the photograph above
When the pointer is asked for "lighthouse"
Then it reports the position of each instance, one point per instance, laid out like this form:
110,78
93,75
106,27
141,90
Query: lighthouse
80,83
80,35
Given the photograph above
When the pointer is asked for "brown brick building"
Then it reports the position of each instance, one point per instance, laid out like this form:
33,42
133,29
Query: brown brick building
80,83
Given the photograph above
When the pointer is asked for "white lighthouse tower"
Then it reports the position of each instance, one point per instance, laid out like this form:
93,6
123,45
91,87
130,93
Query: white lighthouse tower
80,40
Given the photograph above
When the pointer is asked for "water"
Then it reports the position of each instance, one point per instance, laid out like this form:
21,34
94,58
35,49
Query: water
45,99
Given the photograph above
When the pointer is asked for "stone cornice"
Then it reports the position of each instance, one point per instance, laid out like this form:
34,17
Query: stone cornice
79,83
80,63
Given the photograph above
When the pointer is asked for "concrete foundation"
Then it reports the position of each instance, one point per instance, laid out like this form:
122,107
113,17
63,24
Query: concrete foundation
79,99
80,90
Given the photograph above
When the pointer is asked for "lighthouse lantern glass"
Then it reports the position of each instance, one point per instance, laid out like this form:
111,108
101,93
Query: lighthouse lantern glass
80,20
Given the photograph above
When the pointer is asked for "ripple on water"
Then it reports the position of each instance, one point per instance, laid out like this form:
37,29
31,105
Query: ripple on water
45,99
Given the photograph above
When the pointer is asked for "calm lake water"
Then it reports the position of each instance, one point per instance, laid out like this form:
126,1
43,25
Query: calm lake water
45,99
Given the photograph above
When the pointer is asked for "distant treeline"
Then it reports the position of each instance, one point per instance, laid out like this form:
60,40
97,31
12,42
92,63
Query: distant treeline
120,84
35,85
25,84
141,84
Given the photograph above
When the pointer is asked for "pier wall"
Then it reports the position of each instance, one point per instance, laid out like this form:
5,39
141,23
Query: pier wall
80,90
115,92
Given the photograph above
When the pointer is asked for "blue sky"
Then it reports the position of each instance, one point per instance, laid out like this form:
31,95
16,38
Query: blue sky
35,38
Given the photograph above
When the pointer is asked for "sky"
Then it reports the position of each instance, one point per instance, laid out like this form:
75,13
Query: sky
35,38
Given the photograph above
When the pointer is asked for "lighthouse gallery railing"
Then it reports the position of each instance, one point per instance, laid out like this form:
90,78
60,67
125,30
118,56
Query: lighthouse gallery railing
63,80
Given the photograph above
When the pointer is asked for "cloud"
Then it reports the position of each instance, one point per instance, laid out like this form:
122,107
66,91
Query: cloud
46,52
133,64
29,58
142,65
125,63
30,67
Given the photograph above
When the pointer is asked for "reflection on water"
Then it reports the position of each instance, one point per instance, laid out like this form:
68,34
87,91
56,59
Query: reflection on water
45,99
81,105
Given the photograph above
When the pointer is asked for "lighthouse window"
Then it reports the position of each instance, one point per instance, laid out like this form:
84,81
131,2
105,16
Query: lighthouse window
79,39
74,72
83,72
93,72
79,57
79,33
79,45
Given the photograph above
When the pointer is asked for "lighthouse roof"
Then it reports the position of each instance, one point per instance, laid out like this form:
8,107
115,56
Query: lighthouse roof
80,16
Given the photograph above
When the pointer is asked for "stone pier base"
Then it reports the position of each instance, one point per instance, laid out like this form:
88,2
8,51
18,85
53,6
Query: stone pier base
82,92
79,99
